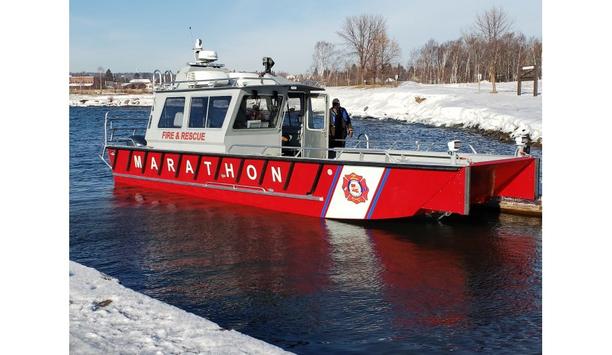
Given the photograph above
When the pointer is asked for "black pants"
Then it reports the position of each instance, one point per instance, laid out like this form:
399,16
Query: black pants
336,142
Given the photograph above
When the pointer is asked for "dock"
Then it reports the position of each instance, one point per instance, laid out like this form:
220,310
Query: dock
517,207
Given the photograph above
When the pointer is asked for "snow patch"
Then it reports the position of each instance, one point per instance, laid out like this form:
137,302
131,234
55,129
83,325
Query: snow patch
107,318
110,100
449,105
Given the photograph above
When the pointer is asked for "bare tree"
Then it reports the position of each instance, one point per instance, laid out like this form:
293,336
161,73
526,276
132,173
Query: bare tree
492,25
488,49
100,71
464,59
474,48
360,34
338,60
428,58
535,56
386,53
455,51
322,58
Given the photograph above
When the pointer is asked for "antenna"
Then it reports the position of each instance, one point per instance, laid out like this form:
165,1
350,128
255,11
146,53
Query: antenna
191,33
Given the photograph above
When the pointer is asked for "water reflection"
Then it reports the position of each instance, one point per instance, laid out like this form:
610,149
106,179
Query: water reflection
322,285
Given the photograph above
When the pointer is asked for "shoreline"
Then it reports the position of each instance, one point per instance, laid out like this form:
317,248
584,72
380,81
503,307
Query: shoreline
497,135
460,106
106,317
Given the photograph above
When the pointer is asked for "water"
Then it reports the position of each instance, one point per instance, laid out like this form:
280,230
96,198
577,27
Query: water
469,284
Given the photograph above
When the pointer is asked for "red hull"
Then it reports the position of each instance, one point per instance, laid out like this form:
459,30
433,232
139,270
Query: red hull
327,189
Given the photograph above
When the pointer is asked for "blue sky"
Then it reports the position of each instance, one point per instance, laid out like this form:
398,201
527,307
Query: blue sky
146,35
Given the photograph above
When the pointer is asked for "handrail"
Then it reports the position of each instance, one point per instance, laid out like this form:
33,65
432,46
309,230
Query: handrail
367,140
169,73
158,73
389,154
110,130
105,143
232,82
393,143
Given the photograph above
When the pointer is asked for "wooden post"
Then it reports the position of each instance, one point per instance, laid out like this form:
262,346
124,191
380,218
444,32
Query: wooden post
535,80
518,85
518,74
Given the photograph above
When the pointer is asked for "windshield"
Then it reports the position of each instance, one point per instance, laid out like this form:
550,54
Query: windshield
258,111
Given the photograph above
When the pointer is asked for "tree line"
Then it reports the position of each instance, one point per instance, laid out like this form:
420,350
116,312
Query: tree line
367,55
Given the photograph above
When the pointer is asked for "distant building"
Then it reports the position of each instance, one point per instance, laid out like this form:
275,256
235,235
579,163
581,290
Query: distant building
81,81
138,84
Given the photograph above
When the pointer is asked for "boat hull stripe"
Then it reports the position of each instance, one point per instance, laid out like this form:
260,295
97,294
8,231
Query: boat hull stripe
330,192
378,192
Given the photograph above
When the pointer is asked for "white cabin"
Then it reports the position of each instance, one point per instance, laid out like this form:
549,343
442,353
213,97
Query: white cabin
205,108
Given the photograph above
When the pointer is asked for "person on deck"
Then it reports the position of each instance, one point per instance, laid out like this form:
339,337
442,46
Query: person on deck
340,125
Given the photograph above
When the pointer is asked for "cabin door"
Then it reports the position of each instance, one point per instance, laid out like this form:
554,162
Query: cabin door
315,130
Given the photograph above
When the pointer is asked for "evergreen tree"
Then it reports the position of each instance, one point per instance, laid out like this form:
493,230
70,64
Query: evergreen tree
109,75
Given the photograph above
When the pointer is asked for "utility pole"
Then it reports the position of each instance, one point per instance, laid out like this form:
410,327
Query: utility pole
100,69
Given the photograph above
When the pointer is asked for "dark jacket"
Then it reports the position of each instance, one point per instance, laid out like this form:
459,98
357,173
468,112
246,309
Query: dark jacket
340,122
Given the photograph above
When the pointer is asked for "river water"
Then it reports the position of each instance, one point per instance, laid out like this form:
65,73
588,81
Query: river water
465,284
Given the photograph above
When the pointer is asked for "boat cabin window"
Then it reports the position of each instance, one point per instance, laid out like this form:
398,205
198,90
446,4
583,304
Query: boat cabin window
292,123
208,112
294,113
172,114
316,112
199,110
217,110
259,111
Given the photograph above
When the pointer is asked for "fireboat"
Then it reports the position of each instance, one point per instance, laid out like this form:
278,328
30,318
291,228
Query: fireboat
261,140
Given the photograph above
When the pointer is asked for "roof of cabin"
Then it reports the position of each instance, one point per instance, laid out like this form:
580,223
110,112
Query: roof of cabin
304,87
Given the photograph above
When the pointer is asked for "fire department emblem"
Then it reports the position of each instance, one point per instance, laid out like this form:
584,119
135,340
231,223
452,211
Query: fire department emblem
355,188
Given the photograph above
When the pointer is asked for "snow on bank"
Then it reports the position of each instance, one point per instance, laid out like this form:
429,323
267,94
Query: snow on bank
111,100
132,323
449,105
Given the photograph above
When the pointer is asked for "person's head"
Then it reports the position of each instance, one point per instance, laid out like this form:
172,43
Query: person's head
336,103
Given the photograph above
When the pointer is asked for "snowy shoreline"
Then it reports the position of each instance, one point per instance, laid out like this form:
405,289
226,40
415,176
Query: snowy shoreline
441,105
449,105
110,100
107,318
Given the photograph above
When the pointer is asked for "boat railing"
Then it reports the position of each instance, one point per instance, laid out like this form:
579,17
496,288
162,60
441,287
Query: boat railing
391,156
391,144
367,140
167,81
163,81
394,144
122,131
